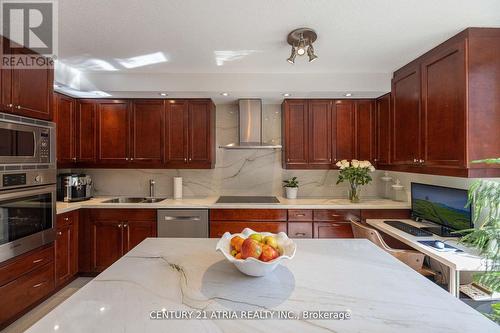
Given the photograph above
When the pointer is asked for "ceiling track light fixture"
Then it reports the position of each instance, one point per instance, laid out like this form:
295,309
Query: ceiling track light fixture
302,41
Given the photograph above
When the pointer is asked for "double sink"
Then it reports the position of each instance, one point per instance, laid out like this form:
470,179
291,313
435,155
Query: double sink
134,200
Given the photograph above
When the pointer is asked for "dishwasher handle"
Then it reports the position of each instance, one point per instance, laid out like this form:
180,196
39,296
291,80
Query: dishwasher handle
181,218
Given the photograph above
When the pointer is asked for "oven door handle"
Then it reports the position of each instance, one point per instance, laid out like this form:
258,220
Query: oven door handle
19,193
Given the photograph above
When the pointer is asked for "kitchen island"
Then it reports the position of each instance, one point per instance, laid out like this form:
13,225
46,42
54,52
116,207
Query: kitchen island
351,279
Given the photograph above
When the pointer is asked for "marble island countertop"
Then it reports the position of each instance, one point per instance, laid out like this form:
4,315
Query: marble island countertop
164,275
210,202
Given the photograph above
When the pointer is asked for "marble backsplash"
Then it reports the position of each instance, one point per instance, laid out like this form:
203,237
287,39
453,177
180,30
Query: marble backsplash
236,172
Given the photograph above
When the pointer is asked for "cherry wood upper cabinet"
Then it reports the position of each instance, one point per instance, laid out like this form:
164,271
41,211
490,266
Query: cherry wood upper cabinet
190,134
344,136
320,133
65,118
176,133
383,129
406,115
32,92
201,138
365,130
295,134
444,106
86,131
27,91
113,131
147,128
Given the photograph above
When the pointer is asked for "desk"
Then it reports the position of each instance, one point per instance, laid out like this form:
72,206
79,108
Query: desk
469,260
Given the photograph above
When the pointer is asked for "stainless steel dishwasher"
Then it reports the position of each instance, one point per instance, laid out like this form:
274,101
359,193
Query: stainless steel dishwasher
183,223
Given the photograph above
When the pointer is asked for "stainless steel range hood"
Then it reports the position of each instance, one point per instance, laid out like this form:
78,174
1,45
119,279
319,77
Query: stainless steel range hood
250,126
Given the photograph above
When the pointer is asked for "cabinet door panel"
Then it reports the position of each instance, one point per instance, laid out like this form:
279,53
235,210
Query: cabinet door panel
199,144
176,131
444,107
5,83
136,232
147,131
365,130
86,132
332,230
406,117
300,230
113,132
344,138
218,228
32,91
63,244
320,133
383,120
295,133
106,244
66,122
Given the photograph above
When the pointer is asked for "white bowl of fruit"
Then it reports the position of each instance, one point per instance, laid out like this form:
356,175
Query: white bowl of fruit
256,253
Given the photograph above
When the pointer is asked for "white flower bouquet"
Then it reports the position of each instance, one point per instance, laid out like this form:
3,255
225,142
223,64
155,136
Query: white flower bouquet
357,173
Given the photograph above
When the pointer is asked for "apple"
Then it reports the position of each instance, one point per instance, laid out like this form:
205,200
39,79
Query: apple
271,241
268,253
251,248
236,243
257,237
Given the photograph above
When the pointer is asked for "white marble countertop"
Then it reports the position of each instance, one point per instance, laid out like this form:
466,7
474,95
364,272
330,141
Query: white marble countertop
166,274
209,202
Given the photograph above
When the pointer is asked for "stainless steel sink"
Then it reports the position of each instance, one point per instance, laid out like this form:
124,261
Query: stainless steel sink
134,200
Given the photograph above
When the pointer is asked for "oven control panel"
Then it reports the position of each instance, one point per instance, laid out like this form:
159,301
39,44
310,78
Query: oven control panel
17,179
14,179
44,148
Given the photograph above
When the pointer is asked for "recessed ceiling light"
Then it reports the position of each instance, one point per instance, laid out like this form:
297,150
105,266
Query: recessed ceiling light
348,95
224,94
163,94
286,95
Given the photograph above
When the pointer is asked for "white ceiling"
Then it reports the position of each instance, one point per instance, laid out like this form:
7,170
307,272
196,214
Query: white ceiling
362,40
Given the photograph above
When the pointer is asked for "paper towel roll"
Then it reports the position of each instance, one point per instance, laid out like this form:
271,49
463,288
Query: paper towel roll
177,187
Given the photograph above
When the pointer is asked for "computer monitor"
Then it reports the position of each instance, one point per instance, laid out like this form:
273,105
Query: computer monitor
441,205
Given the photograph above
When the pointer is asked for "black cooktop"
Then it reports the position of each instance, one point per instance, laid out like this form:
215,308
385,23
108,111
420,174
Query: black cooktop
248,199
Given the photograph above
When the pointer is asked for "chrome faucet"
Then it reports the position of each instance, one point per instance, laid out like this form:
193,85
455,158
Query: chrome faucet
152,188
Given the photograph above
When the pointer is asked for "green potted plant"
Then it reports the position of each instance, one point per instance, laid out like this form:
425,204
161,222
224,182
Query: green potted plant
292,187
485,197
357,173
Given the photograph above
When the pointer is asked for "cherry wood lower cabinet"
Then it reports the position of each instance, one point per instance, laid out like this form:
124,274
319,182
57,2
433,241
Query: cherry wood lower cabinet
66,247
218,228
24,281
332,230
235,220
107,234
300,230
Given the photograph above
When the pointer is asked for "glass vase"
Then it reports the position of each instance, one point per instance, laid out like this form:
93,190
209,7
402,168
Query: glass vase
354,193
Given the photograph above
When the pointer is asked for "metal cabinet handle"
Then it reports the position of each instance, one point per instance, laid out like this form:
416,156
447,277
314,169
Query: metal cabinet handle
300,215
185,159
66,219
37,261
421,161
10,105
38,284
125,225
18,107
59,233
184,218
335,215
300,234
119,225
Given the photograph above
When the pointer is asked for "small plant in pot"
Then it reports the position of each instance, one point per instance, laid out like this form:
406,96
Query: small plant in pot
292,187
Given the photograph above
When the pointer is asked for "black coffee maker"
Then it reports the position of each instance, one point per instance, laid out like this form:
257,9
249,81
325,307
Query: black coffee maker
74,187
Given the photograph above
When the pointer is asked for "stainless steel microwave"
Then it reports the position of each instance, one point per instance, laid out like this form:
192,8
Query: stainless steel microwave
26,141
